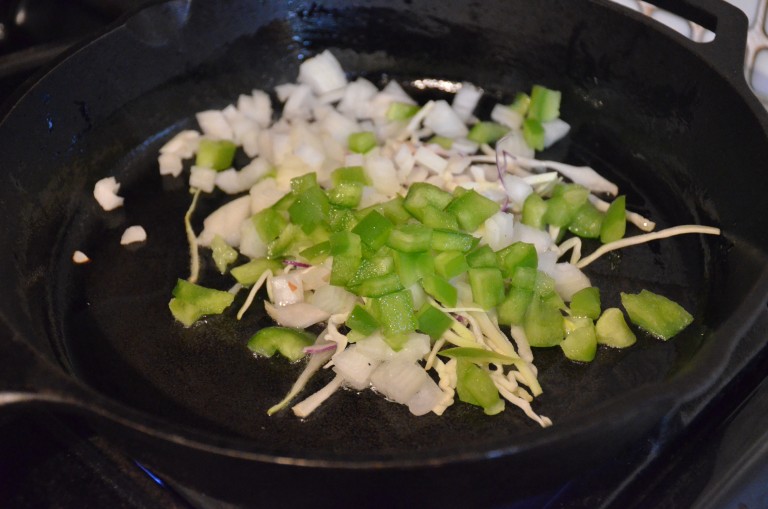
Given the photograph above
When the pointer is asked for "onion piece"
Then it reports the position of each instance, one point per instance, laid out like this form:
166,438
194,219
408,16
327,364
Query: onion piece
226,221
105,192
299,316
465,101
355,367
80,257
133,234
322,73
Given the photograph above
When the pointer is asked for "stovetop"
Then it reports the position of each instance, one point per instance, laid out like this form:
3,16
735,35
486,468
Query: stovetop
56,460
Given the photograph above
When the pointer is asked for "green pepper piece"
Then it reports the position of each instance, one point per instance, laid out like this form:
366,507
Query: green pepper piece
533,133
289,342
512,309
517,254
349,174
543,324
482,256
520,103
289,238
401,111
373,229
394,210
435,218
472,209
215,154
394,312
249,273
524,277
474,386
450,264
269,224
303,182
440,289
587,222
656,314
346,249
586,302
410,238
534,210
341,219
378,286
487,132
545,104
487,287
433,322
442,141
346,194
206,301
223,253
580,344
317,253
612,330
360,320
421,194
310,208
452,240
372,267
361,143
559,212
412,267
615,221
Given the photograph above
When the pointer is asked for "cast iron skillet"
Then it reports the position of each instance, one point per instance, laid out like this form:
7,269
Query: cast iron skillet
670,120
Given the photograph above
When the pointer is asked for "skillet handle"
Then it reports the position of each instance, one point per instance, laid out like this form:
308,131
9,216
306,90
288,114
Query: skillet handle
729,24
27,378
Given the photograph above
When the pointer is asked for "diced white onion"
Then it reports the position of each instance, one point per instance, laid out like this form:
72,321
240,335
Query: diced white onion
427,397
506,116
80,257
285,289
554,131
202,178
444,121
225,221
105,192
382,173
251,243
356,99
299,316
257,107
264,194
568,280
538,238
355,367
214,125
465,101
333,299
517,189
170,164
398,380
183,144
323,73
133,234
430,160
499,230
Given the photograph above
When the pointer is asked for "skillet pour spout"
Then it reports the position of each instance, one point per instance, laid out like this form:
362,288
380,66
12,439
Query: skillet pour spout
672,121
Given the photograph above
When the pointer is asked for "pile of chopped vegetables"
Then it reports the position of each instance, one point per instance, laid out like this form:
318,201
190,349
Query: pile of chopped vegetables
416,235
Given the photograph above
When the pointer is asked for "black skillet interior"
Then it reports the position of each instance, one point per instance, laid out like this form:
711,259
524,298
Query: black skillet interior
684,146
